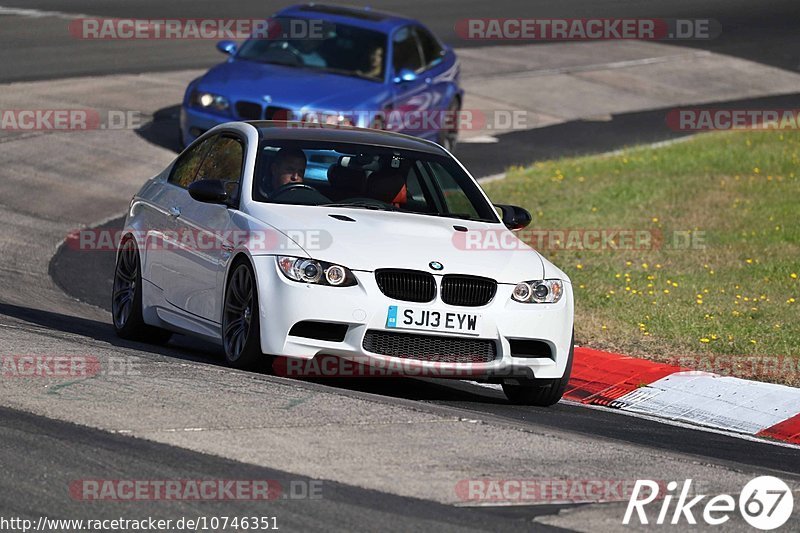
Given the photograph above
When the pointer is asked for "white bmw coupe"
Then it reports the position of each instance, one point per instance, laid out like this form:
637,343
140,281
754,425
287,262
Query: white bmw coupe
287,240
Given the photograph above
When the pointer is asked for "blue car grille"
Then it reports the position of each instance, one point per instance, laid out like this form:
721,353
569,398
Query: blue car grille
248,110
277,113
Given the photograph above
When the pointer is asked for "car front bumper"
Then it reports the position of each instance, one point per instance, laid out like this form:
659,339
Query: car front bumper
194,123
362,308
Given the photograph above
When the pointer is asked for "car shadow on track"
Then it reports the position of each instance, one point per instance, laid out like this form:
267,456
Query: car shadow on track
180,347
163,129
186,348
418,389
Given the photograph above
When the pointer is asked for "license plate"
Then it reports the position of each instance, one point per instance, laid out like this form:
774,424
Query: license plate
433,320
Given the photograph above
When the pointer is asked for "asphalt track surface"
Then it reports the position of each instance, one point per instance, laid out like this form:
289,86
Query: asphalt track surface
26,489
41,455
90,281
68,269
43,48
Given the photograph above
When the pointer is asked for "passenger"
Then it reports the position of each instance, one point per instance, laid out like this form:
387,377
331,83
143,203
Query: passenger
375,65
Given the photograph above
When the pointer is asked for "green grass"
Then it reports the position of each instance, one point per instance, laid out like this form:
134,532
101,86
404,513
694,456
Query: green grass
736,293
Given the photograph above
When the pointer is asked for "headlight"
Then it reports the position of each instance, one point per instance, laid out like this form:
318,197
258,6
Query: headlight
543,291
205,100
316,272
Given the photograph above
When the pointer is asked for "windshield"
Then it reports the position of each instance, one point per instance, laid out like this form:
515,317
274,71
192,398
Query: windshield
357,176
336,48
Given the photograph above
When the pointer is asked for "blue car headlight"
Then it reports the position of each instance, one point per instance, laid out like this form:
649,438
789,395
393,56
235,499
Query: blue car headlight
543,291
209,101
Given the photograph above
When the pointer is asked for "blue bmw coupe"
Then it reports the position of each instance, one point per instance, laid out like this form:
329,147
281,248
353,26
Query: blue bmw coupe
353,67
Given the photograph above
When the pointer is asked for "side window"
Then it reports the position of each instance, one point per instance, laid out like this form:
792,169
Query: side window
454,196
431,49
185,168
224,161
414,187
406,54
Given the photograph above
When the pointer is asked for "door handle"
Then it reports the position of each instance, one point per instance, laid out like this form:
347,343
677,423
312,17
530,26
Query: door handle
174,212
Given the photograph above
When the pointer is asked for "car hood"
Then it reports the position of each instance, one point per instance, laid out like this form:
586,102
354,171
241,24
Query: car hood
291,87
382,239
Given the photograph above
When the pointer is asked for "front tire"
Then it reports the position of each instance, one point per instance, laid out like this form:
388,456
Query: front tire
182,144
241,328
126,299
449,137
541,392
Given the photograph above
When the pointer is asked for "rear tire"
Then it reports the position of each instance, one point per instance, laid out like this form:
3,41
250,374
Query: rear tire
541,392
241,327
126,299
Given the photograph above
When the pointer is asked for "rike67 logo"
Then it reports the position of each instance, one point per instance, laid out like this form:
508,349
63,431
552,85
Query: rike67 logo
765,503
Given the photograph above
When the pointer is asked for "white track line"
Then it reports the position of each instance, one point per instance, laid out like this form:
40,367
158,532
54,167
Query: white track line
685,425
38,13
676,423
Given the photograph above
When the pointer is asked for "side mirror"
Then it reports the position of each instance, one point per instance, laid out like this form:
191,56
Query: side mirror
209,191
514,217
405,75
227,47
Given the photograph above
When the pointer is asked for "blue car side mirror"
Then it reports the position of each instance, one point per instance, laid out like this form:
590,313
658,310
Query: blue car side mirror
405,75
227,47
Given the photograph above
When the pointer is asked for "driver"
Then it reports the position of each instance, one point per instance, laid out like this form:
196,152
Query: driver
289,166
309,52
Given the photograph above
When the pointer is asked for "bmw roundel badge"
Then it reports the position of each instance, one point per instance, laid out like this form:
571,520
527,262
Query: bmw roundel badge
436,265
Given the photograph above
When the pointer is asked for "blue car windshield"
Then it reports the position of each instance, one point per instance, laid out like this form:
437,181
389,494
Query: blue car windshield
328,47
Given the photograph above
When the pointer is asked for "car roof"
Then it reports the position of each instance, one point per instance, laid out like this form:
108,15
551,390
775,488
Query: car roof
281,130
361,17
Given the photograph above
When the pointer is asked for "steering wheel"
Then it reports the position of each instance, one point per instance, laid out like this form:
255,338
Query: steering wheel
285,50
283,189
